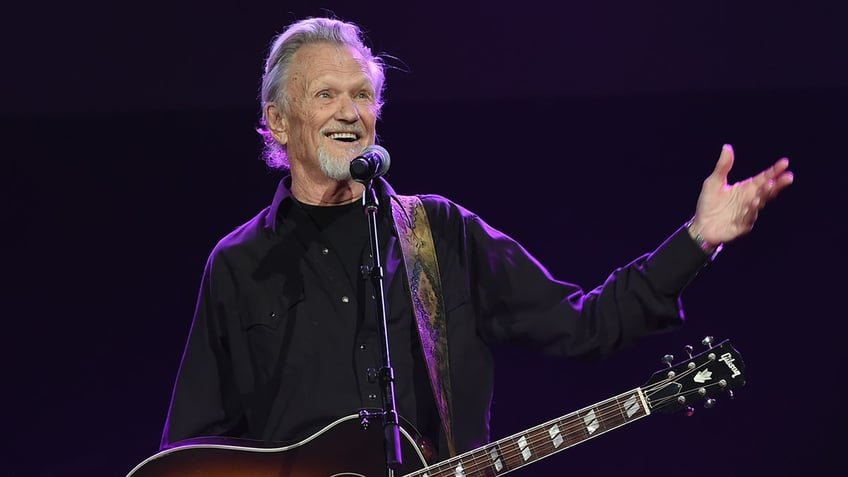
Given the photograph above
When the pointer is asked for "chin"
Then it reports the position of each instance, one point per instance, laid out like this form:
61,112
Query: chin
336,168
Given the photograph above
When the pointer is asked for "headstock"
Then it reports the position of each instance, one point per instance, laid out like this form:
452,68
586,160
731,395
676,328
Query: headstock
717,370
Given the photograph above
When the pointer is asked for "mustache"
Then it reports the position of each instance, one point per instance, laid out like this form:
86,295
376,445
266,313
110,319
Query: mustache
355,129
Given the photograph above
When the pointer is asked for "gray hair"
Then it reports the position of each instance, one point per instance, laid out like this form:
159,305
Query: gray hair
283,48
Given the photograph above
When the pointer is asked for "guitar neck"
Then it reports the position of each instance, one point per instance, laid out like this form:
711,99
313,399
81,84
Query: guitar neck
546,439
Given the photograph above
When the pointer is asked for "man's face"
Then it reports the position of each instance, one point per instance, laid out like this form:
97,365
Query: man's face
332,110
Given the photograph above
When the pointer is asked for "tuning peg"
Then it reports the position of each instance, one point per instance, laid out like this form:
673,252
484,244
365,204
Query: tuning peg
708,341
668,359
690,411
688,349
730,393
710,403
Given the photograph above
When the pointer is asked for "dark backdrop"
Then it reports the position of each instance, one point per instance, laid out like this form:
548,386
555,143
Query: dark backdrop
583,130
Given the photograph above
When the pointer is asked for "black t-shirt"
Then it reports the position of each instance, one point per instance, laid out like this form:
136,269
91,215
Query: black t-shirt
340,233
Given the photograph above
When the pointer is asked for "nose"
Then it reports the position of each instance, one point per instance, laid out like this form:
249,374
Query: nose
348,110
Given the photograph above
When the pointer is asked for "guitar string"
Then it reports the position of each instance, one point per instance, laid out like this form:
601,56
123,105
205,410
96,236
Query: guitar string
481,458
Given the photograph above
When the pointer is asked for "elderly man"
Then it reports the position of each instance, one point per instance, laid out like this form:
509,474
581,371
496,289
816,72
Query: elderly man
283,339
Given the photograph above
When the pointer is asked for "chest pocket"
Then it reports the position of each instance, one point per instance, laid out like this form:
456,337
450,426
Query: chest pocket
269,325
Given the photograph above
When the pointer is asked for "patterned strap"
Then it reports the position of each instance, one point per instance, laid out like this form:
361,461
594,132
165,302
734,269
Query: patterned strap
422,270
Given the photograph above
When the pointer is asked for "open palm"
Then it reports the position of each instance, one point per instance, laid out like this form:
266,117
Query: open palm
727,211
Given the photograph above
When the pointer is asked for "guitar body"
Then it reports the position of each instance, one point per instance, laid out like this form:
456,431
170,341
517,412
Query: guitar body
342,449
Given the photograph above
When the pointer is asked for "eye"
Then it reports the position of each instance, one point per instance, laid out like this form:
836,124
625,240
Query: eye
323,94
364,95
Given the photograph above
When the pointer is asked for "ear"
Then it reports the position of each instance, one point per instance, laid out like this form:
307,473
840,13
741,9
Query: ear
276,122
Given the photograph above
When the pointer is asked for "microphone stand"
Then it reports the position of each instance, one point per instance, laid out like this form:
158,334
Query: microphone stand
391,426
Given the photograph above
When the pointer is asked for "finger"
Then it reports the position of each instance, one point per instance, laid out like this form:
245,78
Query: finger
778,174
779,183
776,169
764,179
770,188
784,179
781,165
724,164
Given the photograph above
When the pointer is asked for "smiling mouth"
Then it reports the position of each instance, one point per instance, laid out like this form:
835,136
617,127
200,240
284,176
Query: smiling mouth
343,136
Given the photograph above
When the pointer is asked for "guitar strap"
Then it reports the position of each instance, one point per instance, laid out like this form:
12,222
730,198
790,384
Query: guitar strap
425,287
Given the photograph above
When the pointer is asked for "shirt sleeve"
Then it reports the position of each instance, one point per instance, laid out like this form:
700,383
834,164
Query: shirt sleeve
516,299
204,400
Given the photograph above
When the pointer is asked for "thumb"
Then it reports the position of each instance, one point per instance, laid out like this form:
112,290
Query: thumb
724,164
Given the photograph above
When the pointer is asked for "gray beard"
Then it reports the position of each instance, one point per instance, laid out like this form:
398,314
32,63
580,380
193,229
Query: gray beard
335,168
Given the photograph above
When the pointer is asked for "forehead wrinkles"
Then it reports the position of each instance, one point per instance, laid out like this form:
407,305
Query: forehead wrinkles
326,61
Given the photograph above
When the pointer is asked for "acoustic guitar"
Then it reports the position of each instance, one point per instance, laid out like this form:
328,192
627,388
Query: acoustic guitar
349,447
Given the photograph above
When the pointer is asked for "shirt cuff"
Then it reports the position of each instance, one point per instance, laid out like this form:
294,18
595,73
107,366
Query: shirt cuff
675,263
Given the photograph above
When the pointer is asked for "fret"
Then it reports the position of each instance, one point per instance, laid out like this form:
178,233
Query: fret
576,432
475,464
555,434
536,443
511,451
452,468
496,459
524,448
630,406
591,422
545,439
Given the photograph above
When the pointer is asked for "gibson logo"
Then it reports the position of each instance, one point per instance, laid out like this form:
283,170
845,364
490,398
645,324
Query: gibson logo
727,358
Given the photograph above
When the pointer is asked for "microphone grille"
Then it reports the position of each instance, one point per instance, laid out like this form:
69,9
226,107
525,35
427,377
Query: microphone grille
382,153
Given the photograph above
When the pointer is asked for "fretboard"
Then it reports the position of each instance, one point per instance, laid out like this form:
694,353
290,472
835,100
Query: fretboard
543,440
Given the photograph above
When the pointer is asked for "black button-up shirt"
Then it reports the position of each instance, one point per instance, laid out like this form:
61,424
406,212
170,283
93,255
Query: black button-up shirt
284,332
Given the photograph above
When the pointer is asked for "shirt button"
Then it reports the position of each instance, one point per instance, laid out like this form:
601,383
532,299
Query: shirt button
345,299
363,346
325,251
372,397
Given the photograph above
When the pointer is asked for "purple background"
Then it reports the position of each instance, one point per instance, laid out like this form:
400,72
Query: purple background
582,130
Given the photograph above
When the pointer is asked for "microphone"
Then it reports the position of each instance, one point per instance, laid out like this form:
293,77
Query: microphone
370,164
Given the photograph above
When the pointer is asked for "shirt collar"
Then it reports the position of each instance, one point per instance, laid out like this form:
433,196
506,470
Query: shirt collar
384,191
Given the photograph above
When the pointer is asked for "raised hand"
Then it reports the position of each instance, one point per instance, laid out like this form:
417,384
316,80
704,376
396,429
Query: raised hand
727,211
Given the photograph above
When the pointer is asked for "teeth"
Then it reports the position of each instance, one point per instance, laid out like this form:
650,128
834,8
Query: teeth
343,136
